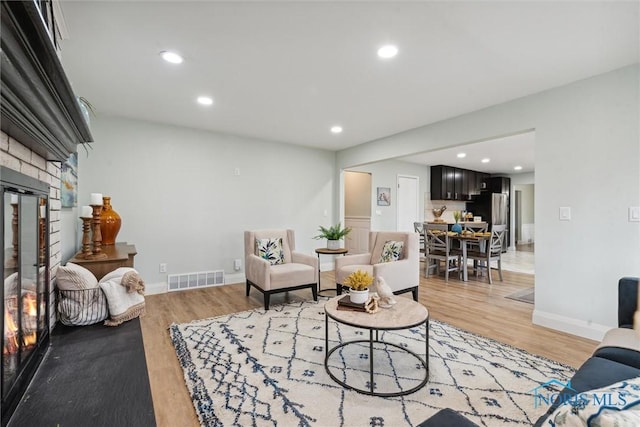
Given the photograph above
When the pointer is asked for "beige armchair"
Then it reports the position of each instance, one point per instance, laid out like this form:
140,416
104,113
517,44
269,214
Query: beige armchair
401,276
280,268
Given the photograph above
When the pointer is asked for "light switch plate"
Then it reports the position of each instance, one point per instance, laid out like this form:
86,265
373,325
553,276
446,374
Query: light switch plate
634,214
565,213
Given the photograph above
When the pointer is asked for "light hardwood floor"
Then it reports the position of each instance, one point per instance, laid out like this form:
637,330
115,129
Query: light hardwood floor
475,306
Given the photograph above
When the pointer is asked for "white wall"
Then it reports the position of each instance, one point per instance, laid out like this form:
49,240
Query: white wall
384,174
587,158
181,202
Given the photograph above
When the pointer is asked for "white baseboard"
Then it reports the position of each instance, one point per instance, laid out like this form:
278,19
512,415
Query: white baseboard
593,331
230,279
155,288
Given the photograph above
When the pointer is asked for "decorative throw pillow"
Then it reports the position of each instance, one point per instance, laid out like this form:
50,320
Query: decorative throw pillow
391,251
82,307
271,250
615,405
74,276
123,305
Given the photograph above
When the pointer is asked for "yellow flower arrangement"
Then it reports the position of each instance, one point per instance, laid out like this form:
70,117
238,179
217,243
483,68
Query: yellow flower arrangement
359,280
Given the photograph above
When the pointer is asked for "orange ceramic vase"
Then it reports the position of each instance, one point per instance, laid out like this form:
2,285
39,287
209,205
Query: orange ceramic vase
110,222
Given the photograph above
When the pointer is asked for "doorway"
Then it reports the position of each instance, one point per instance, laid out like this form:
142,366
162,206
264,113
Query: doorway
357,210
525,217
408,202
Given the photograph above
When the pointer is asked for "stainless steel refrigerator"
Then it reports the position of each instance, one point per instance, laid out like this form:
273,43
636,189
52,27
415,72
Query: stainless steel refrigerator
494,209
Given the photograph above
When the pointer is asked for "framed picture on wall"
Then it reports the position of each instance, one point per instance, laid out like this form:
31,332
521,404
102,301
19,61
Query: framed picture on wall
384,196
69,184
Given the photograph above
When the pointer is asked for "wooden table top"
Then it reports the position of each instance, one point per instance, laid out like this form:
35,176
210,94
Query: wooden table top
406,313
326,251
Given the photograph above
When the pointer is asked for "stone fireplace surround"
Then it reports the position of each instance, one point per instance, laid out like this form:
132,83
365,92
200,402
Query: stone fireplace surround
16,156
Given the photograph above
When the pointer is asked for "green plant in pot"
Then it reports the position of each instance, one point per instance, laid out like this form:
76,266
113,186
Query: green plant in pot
457,228
333,234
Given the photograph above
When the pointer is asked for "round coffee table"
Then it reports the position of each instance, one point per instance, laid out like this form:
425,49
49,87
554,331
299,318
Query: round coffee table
405,314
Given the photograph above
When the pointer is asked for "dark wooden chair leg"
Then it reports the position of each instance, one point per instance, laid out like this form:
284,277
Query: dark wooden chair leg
314,289
248,287
338,289
414,292
267,297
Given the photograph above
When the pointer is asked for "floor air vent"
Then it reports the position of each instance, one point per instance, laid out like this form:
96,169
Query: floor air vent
201,279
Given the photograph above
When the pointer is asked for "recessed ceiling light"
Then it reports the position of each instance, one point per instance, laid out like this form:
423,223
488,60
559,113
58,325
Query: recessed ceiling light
487,160
336,129
388,51
462,155
205,100
172,57
517,168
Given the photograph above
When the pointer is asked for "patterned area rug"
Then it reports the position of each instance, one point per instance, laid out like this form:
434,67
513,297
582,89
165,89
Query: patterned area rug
267,369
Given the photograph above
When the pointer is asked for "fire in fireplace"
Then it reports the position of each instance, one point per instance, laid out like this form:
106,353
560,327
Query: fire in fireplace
25,290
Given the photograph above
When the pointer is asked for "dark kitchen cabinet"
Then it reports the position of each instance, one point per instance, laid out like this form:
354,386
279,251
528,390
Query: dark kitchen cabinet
442,182
449,183
481,181
499,184
468,184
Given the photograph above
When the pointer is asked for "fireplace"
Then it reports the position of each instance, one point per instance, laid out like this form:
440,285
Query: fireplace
25,266
41,123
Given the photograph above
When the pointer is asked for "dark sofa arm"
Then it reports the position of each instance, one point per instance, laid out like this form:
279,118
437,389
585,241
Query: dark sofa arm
627,301
447,418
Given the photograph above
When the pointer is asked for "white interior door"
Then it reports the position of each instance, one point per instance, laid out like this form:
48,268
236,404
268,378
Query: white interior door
408,202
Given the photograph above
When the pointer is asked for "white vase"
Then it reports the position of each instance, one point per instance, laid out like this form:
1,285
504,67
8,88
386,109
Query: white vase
333,244
358,297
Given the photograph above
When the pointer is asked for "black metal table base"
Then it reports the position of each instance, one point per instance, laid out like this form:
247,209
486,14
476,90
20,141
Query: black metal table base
371,341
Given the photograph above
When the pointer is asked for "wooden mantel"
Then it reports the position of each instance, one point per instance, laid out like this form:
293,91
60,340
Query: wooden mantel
38,106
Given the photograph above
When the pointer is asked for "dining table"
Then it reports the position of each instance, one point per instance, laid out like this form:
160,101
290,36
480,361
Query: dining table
464,239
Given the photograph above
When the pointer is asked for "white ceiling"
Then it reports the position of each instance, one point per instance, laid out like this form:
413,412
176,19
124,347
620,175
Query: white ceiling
288,71
504,154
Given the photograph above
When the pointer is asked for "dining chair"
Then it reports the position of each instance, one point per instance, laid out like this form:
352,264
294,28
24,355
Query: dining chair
438,248
492,252
476,227
418,227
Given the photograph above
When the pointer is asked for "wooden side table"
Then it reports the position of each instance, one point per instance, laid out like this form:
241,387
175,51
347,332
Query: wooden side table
325,251
118,255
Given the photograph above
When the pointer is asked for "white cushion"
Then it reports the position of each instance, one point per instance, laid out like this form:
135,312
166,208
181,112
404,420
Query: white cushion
117,274
82,307
73,277
123,305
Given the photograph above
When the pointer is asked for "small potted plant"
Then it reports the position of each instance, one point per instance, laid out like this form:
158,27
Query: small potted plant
333,234
359,282
457,228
